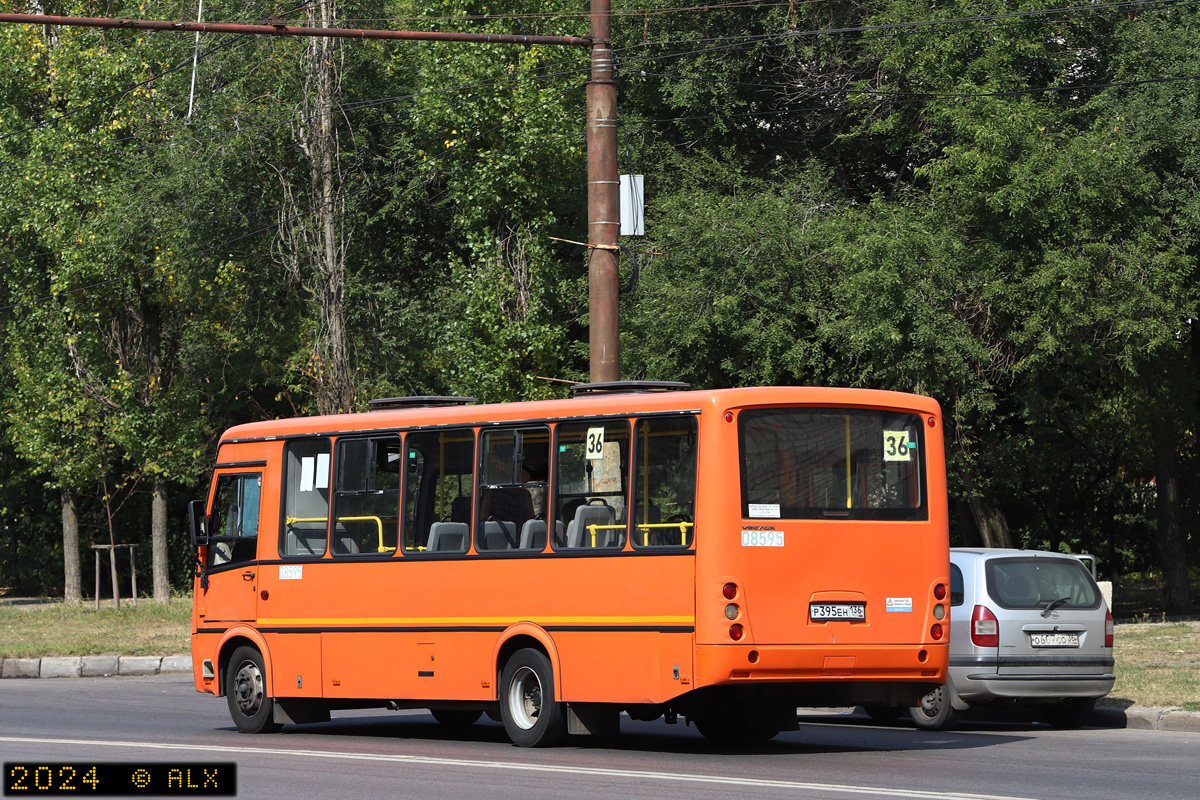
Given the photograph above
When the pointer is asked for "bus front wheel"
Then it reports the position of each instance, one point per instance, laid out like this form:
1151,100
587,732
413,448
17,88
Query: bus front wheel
246,692
532,715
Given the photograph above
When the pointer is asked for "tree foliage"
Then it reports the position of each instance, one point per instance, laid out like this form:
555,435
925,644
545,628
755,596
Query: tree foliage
990,204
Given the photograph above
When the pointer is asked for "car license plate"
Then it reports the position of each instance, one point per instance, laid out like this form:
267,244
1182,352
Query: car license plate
828,611
1054,639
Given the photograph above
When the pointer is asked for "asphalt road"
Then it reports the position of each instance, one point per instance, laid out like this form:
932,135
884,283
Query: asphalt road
399,755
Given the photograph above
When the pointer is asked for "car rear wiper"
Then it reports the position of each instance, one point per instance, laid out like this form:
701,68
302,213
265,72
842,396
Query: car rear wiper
1055,604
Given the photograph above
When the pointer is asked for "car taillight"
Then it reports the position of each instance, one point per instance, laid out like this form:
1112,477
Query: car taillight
985,628
1108,629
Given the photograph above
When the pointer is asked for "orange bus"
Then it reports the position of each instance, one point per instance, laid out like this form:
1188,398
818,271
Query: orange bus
725,556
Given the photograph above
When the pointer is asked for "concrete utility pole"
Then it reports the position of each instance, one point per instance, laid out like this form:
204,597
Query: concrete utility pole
603,179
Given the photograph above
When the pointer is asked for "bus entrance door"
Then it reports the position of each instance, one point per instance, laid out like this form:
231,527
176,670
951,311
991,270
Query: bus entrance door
232,556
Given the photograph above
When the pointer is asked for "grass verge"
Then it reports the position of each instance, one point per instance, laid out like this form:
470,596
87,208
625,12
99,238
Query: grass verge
1158,666
55,629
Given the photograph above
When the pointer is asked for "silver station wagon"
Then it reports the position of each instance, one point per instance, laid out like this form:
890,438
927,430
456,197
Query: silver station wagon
1027,627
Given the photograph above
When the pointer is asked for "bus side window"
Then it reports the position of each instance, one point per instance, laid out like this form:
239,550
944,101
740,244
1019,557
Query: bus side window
306,498
440,484
591,485
664,482
512,490
367,496
234,537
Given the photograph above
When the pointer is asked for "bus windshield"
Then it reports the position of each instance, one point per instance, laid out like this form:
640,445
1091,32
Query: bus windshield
804,463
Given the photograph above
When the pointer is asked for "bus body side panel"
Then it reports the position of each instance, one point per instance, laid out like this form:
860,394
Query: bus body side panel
890,566
419,628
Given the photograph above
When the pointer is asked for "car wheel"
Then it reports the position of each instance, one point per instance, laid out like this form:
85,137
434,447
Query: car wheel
1070,713
246,692
532,717
935,713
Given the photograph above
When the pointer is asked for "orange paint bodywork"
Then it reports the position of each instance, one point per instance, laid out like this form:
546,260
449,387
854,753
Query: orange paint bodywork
621,626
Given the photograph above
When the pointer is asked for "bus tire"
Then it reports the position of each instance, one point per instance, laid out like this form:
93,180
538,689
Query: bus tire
532,715
935,713
739,725
455,717
246,692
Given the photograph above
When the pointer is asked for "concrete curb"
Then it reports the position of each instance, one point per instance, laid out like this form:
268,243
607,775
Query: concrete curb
93,666
1146,719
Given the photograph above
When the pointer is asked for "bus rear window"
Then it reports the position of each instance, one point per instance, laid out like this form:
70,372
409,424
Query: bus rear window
814,463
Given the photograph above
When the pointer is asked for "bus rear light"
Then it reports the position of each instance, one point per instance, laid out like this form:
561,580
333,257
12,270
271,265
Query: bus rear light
729,590
936,632
939,591
932,422
735,632
1108,629
939,612
731,611
985,628
729,416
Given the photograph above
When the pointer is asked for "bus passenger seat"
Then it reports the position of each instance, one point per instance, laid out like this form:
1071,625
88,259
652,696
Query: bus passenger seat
578,534
499,534
447,537
533,534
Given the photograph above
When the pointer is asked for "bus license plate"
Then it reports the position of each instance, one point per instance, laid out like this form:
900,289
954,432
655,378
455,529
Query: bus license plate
1054,639
827,611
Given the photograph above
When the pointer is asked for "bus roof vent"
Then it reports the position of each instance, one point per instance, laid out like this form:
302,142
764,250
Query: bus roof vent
627,387
423,401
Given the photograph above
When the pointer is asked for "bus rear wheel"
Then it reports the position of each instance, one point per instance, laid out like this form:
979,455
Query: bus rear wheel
455,717
744,725
246,691
532,715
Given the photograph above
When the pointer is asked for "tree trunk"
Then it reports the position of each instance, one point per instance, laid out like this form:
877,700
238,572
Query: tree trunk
72,583
989,519
158,541
313,242
1171,552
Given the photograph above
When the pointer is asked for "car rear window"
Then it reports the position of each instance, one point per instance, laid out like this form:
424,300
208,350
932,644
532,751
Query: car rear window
1040,582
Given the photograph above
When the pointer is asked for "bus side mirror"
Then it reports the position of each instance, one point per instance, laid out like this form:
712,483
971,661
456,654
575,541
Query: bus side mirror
198,522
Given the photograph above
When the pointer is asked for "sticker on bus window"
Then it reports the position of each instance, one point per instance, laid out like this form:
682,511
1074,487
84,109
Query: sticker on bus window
762,538
764,510
595,444
307,465
322,476
896,446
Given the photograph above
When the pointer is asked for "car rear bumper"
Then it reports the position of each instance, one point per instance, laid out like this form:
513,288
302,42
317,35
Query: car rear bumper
974,686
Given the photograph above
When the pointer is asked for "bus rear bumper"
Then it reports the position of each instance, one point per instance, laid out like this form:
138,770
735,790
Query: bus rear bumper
875,670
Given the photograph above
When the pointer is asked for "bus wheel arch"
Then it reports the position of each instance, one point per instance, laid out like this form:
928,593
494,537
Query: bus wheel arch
241,637
522,636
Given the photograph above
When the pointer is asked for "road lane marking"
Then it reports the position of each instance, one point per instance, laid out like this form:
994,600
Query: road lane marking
837,788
